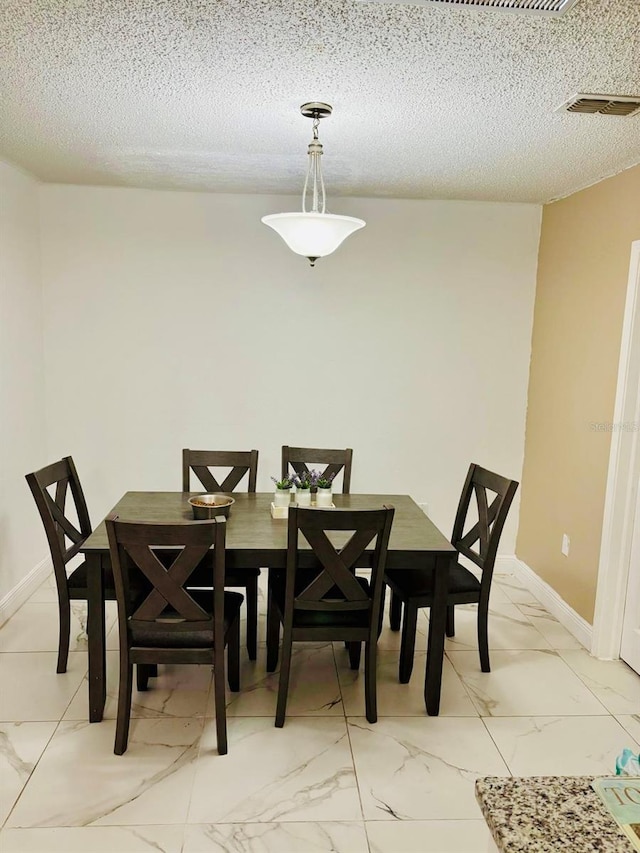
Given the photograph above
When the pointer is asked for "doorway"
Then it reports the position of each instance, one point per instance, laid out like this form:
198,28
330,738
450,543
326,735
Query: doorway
618,595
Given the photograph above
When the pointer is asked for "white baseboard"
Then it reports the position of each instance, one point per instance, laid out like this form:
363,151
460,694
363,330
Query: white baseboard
547,596
17,596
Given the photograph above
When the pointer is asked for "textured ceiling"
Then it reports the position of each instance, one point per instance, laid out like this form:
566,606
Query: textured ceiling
429,101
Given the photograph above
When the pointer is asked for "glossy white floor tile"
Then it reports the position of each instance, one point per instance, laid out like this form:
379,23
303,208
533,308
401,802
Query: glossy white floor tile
178,691
395,699
391,640
302,837
93,839
313,685
31,688
428,836
556,634
21,745
34,628
524,683
80,782
509,628
615,684
631,722
514,591
556,746
327,781
411,769
302,772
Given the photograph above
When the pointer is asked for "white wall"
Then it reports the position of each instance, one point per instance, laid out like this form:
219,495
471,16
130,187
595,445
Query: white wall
22,423
178,320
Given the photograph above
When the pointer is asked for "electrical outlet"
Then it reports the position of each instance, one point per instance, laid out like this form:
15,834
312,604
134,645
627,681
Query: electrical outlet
566,544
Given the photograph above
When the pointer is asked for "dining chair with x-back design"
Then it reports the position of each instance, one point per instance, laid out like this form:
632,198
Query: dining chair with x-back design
329,602
61,503
477,540
236,465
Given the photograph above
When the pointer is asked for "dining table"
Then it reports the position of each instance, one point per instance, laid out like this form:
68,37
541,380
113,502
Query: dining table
255,538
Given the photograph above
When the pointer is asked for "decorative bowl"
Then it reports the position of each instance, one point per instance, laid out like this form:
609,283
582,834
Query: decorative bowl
209,506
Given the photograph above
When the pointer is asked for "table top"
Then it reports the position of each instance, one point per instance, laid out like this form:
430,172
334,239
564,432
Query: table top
252,534
548,814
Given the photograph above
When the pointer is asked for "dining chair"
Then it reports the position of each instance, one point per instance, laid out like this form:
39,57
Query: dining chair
335,461
169,623
242,463
329,602
67,525
412,589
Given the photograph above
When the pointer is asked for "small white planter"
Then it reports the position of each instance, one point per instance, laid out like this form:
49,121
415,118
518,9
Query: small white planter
303,497
282,497
324,497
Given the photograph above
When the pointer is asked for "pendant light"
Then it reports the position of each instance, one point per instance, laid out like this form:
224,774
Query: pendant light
314,233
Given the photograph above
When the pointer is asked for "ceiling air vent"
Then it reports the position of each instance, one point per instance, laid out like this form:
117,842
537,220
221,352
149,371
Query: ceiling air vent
605,105
540,7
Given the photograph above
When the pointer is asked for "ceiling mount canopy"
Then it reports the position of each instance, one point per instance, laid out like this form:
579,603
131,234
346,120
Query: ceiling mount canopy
313,233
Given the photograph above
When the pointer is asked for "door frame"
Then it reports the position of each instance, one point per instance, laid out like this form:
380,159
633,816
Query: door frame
622,479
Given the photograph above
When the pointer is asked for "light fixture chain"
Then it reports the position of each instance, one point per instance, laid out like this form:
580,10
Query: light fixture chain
314,174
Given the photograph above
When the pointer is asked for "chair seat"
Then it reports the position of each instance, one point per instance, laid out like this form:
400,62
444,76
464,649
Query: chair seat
151,633
418,583
319,618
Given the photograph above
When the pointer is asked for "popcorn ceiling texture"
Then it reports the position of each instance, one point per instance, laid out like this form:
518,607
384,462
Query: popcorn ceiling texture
429,101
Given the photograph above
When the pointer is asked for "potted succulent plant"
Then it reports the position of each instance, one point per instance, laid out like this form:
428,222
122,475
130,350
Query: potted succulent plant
282,494
323,493
302,483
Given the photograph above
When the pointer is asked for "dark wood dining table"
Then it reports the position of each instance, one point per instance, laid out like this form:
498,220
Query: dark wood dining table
254,538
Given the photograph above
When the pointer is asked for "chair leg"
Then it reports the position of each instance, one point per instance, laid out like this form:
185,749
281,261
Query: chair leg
355,651
381,612
371,702
64,622
283,684
252,618
408,642
233,656
124,703
142,676
273,633
395,611
451,621
220,699
483,636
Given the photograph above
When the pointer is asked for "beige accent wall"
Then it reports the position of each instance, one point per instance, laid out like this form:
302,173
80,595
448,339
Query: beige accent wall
583,267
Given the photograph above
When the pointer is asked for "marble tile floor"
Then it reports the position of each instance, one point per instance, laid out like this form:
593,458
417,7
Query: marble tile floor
327,781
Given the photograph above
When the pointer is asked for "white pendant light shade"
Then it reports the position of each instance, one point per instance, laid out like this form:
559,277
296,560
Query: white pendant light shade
313,235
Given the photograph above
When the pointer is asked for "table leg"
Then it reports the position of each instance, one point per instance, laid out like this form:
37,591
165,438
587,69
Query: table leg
96,629
437,626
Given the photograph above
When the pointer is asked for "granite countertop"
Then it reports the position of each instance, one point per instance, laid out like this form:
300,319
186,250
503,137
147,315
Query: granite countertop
546,814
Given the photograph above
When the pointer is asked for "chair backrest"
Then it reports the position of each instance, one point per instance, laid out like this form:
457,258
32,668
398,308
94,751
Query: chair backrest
159,559
338,563
494,495
303,459
64,535
200,462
